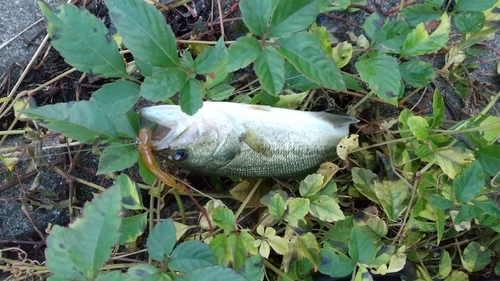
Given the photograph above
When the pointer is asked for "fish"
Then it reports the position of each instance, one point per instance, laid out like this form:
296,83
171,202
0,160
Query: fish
243,140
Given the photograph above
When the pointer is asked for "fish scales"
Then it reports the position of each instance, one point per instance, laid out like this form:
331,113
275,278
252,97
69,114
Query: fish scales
240,140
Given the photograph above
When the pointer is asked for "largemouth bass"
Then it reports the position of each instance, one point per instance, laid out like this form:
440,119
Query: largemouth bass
242,140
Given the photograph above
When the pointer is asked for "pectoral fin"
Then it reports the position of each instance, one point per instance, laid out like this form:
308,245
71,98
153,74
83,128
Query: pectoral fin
256,142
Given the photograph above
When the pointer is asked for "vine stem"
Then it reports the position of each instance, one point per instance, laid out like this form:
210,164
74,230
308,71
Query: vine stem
245,202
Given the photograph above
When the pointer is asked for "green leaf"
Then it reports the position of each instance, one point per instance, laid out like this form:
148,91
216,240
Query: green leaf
224,218
392,196
256,15
297,209
371,224
475,257
276,206
112,276
278,244
469,21
242,52
144,272
83,121
326,208
453,160
438,109
419,42
335,264
304,51
78,251
464,5
382,74
131,196
116,98
191,255
220,92
439,202
191,97
489,158
117,157
421,13
161,240
144,32
417,73
212,58
213,272
444,265
488,203
288,19
253,268
296,80
361,247
270,67
363,182
88,47
311,185
390,38
419,127
308,247
163,84
469,182
458,276
132,227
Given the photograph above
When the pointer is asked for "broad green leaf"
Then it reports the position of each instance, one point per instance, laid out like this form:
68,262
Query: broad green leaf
373,24
238,250
469,182
458,276
144,32
212,272
489,158
116,98
488,203
220,92
143,272
438,109
270,68
361,247
253,268
335,264
231,249
371,224
469,21
421,13
444,265
464,5
256,15
390,38
439,202
363,181
417,73
88,47
224,218
382,258
381,73
323,36
191,97
191,255
308,248
297,209
392,196
311,185
78,251
146,173
242,52
83,121
161,240
340,231
288,19
278,244
222,250
276,206
211,59
304,51
296,80
363,274
112,276
132,227
419,127
131,196
326,208
117,157
419,42
453,160
163,84
475,256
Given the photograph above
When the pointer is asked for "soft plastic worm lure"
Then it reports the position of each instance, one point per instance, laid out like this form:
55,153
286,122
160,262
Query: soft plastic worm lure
149,159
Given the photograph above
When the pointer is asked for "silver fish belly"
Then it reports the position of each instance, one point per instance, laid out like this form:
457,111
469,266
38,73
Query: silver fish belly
242,140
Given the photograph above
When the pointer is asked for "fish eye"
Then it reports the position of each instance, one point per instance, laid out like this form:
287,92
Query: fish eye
179,155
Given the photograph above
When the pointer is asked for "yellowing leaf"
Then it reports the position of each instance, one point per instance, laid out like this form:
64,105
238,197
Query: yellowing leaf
342,53
453,160
278,244
346,145
328,170
242,190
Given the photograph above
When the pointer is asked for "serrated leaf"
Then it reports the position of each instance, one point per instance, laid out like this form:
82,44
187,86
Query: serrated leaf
304,51
270,68
161,240
475,256
211,59
256,15
242,52
163,84
88,47
143,272
224,218
419,127
112,276
131,196
297,209
464,5
288,19
421,13
469,182
116,98
83,121
191,97
361,247
335,264
326,209
489,157
230,250
453,160
191,255
132,227
253,268
78,251
419,42
117,157
469,21
144,32
276,206
390,38
392,196
417,73
311,185
278,244
213,272
220,92
309,248
363,181
382,74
